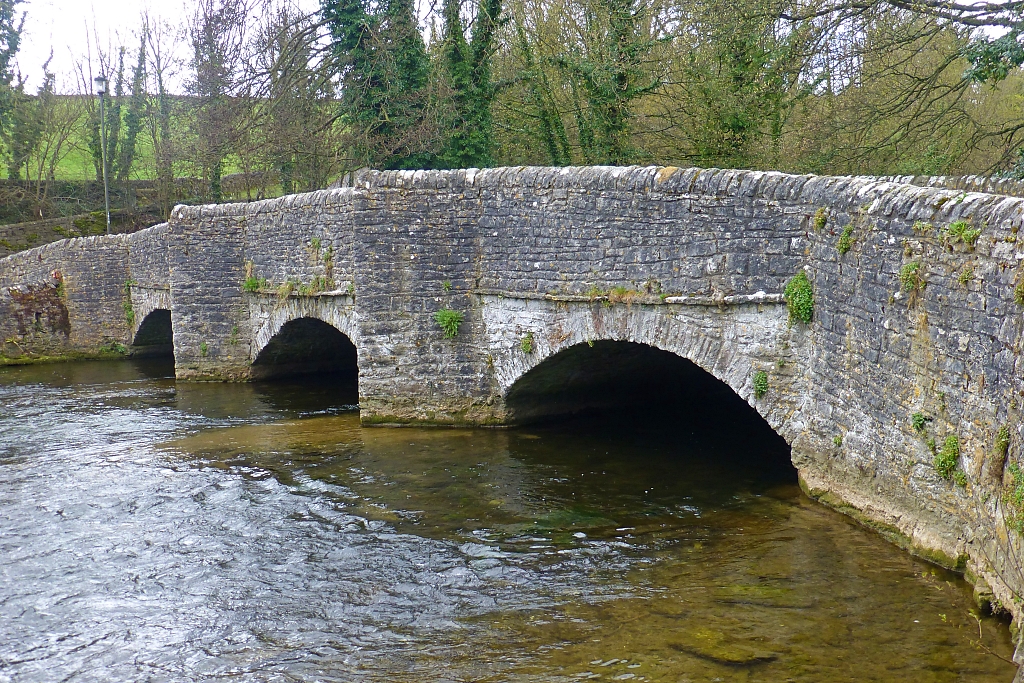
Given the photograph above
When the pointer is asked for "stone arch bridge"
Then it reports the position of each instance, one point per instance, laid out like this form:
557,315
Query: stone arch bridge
566,277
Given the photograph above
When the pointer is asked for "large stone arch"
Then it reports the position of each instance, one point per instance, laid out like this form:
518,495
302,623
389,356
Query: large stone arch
731,342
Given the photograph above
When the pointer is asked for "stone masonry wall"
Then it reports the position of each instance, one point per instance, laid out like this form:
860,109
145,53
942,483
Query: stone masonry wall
64,299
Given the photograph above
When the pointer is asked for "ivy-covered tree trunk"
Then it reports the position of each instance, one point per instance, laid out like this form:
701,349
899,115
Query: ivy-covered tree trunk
386,74
467,70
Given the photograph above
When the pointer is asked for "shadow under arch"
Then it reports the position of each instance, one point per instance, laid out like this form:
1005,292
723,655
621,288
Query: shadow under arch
629,382
308,346
155,336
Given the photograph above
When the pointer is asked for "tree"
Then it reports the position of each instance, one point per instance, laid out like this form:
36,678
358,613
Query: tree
385,77
11,25
134,117
24,128
465,69
217,33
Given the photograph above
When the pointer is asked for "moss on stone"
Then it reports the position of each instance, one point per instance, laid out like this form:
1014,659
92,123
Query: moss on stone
957,563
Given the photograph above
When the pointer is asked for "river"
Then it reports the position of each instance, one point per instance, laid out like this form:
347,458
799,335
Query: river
161,531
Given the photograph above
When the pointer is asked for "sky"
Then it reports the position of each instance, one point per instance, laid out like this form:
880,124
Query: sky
68,26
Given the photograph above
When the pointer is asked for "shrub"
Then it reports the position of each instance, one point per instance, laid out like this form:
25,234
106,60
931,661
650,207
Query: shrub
760,383
845,240
449,321
129,312
203,349
799,296
948,457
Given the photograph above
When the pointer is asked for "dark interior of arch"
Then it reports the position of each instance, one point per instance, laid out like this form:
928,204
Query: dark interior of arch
308,347
154,337
626,383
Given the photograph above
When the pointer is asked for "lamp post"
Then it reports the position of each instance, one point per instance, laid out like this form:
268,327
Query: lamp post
101,90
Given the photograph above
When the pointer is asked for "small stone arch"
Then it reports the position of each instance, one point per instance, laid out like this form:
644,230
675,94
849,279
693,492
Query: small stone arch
154,334
729,343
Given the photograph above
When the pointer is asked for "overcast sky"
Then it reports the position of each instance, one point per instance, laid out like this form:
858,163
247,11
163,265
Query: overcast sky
65,26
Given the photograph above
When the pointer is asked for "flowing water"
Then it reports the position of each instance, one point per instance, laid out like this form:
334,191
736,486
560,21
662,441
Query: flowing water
154,531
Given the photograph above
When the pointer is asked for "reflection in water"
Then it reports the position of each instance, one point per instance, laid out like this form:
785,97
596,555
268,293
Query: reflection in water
257,532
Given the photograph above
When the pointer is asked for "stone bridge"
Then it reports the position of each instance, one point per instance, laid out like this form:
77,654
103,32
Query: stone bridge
578,287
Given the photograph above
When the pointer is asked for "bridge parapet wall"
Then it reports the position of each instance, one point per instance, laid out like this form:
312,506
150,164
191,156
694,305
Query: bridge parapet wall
64,299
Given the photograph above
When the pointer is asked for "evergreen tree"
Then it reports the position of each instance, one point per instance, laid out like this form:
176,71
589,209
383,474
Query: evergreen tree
10,41
385,78
466,69
135,116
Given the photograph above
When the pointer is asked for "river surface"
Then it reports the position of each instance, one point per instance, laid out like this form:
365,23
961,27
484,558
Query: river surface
154,531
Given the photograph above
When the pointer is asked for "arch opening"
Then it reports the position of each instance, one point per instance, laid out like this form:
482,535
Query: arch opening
627,386
308,347
155,336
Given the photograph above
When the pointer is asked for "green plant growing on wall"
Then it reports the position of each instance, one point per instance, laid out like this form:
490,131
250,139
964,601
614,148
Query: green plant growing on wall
526,343
960,478
845,239
837,440
1014,499
114,347
449,321
314,244
129,310
1003,441
960,232
910,277
233,339
948,457
286,289
1018,293
918,421
254,284
203,349
820,219
446,286
965,276
799,296
760,383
